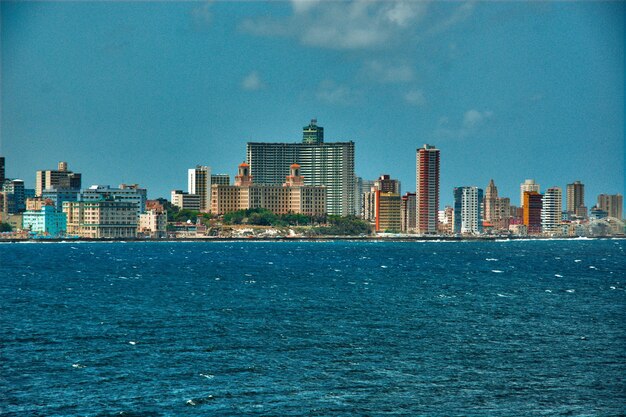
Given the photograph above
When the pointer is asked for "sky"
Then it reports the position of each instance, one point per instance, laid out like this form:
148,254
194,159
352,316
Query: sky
138,92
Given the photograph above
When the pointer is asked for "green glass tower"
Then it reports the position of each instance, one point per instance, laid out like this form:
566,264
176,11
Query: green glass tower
313,134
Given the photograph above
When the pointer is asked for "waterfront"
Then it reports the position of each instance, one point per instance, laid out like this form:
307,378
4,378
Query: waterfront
313,328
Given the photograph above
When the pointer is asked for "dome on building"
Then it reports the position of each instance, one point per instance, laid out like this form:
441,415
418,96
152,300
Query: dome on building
294,166
243,165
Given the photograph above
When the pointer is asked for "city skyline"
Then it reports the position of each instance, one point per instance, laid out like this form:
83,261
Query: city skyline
130,104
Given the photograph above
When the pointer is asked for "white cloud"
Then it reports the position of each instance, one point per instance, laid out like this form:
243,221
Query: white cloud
252,82
415,97
389,73
201,15
473,121
330,92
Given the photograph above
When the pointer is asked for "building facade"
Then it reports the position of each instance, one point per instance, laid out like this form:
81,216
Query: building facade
129,193
322,164
427,190
59,178
221,179
532,212
612,204
199,183
293,196
407,212
46,221
528,185
14,196
467,210
388,211
575,200
185,201
153,223
551,208
103,218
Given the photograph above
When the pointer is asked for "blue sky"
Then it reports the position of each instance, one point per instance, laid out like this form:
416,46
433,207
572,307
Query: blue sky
137,92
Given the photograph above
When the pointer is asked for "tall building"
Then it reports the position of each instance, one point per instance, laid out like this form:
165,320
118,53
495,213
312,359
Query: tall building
388,211
613,204
199,183
407,211
322,164
551,208
293,196
221,179
532,211
427,190
59,178
528,185
490,201
575,199
14,196
467,204
502,213
386,184
185,201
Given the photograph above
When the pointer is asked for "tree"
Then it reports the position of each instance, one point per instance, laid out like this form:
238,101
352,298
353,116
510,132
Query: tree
5,227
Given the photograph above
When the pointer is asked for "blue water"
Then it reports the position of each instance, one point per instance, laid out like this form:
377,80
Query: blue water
313,329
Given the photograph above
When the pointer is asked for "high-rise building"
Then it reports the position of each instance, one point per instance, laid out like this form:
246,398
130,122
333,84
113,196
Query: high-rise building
611,203
2,176
60,178
491,197
528,185
199,183
575,199
532,211
427,190
467,204
502,213
14,196
407,210
551,207
388,212
386,184
293,196
327,164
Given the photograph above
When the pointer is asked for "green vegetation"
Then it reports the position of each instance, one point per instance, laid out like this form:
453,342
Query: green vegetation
344,226
264,217
175,214
5,227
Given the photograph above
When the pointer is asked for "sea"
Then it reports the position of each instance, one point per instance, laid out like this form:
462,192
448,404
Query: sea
339,328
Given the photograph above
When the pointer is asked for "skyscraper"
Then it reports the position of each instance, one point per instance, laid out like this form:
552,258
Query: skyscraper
328,164
427,189
386,184
2,177
199,183
491,197
551,210
532,211
407,210
612,204
528,185
575,199
467,216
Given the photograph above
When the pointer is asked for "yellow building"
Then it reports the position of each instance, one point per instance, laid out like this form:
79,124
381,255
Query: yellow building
388,212
291,197
101,219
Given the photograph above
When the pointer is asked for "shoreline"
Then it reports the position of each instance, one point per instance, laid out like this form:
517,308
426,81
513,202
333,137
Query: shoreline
317,239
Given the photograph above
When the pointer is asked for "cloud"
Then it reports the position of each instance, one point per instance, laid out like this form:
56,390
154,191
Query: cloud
389,73
330,92
201,15
252,82
357,24
472,122
415,97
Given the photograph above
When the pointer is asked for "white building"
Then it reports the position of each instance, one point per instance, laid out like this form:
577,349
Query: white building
125,193
199,183
185,201
153,223
528,185
551,211
467,213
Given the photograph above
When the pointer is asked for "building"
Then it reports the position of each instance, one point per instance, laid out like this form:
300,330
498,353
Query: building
532,212
322,164
489,202
528,185
575,200
467,210
502,213
388,211
199,183
60,195
386,184
60,178
153,223
45,220
99,218
185,201
221,179
14,196
612,204
407,212
446,220
2,176
293,196
551,208
427,189
129,193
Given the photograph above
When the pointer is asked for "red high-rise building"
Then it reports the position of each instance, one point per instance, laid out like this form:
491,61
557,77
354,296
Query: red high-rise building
427,189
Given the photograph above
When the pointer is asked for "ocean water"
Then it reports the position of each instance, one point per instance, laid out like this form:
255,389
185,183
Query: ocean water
313,329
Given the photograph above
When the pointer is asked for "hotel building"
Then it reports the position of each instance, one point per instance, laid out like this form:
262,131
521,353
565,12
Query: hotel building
427,189
322,164
293,196
532,212
102,218
551,208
